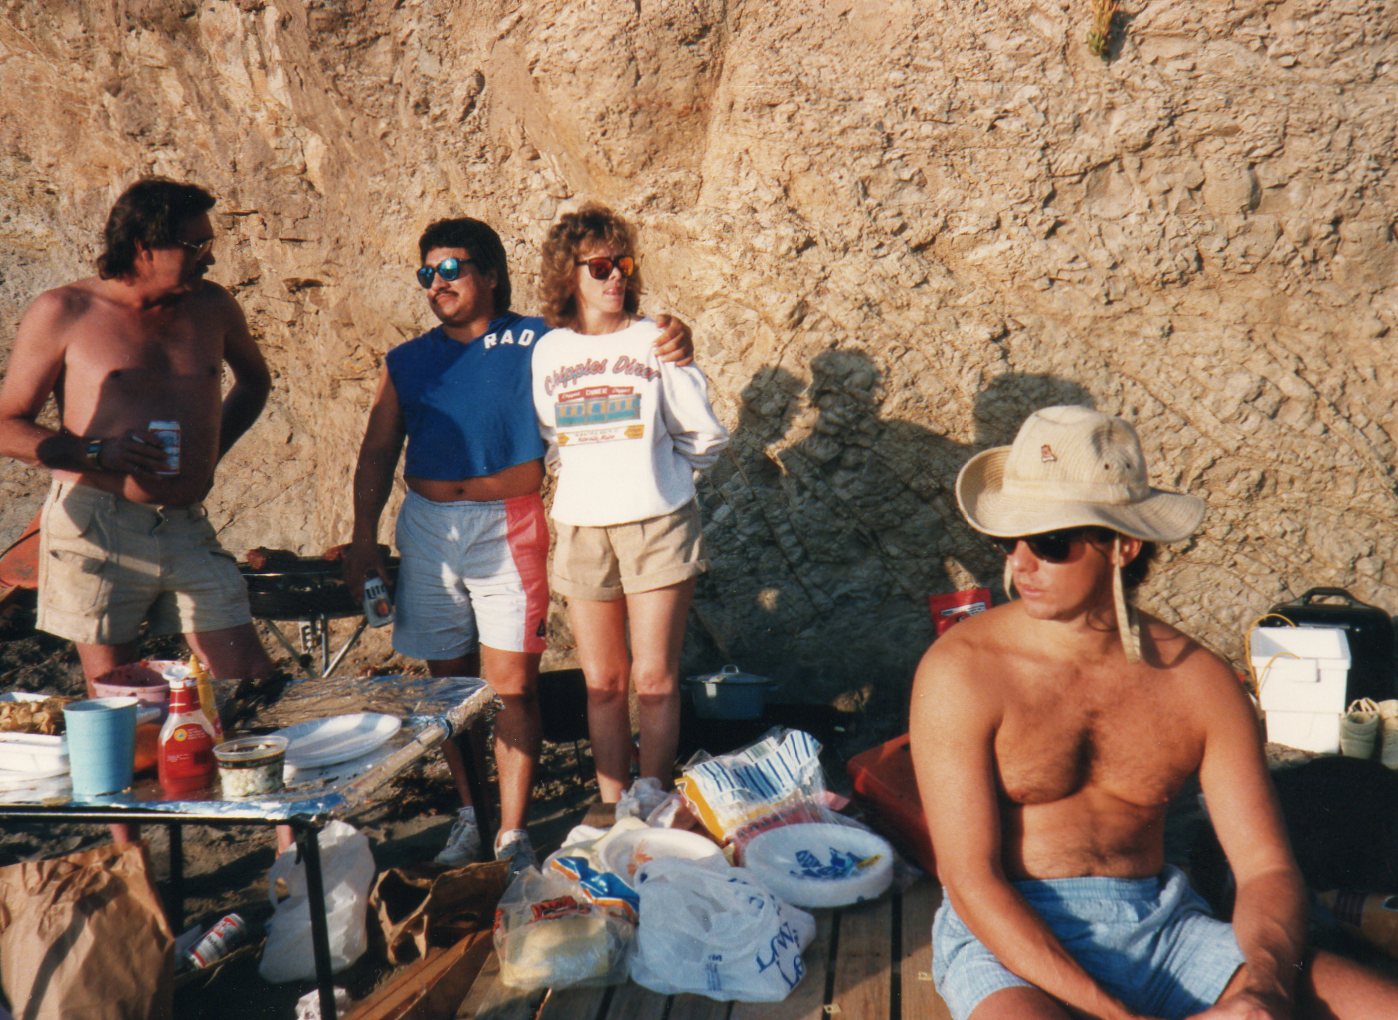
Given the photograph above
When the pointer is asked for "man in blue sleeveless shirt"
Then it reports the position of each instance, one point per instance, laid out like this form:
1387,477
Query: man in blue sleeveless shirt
472,591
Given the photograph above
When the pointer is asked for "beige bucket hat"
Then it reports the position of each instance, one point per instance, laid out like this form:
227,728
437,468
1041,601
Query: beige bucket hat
1072,467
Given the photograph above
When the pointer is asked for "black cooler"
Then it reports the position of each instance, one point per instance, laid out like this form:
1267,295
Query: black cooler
1368,629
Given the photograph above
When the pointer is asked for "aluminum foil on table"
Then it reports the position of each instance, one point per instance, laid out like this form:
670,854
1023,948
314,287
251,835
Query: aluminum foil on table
432,709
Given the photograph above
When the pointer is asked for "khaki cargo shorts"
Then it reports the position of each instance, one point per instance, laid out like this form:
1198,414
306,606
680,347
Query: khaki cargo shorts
604,562
106,564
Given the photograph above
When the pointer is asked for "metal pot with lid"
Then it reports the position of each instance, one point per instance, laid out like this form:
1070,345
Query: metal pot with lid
729,693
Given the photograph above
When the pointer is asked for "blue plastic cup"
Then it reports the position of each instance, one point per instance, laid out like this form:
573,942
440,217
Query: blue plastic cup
101,744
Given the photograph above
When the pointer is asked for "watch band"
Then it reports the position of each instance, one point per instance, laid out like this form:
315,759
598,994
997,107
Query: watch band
92,452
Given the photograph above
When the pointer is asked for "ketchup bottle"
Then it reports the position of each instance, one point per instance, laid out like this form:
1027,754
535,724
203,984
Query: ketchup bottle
186,761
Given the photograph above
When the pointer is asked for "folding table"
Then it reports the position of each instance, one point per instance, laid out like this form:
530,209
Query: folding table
431,710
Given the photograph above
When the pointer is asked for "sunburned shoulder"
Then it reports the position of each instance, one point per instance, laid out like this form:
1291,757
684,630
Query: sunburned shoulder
1167,648
970,651
214,295
70,301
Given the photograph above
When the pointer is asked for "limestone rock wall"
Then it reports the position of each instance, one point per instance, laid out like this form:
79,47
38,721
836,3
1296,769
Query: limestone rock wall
897,227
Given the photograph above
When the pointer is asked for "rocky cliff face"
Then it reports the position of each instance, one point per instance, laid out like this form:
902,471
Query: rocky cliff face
897,227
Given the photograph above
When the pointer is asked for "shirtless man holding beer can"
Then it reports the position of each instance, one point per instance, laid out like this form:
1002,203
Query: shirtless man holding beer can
134,358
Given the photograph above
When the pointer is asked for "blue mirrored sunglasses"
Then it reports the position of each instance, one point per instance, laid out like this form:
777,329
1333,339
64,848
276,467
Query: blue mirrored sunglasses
447,269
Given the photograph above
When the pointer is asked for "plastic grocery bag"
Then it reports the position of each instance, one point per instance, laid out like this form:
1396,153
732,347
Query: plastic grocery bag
776,780
347,870
548,935
720,934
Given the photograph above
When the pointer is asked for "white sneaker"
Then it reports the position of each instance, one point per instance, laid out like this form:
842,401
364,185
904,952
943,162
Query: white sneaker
641,798
464,842
514,846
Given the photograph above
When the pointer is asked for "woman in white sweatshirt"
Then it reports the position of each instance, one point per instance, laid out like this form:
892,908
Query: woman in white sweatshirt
626,432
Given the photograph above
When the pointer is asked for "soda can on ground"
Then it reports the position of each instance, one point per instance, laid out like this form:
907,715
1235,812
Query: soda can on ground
168,434
218,941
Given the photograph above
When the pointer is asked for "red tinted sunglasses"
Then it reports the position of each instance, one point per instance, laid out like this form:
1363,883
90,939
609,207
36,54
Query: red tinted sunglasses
601,267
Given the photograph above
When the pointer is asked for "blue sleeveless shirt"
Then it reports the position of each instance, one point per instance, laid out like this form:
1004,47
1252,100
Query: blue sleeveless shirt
468,409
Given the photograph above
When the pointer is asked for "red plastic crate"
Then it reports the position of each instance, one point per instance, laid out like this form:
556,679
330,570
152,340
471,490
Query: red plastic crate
884,782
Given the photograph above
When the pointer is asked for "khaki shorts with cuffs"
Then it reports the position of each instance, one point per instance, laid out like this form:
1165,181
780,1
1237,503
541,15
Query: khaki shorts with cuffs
106,564
602,563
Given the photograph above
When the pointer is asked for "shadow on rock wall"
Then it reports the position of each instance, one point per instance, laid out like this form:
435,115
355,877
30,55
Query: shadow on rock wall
828,526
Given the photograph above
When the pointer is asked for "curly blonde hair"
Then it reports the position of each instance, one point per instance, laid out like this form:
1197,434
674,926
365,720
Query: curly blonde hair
593,225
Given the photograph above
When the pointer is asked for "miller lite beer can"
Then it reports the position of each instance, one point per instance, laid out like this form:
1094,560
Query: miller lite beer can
378,606
167,433
218,942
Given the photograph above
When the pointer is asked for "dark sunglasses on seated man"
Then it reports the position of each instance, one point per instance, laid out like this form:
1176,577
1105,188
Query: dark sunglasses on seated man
1054,546
601,267
448,269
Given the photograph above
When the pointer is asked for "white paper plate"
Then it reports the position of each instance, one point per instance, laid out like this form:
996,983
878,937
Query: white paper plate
339,738
627,851
24,696
821,864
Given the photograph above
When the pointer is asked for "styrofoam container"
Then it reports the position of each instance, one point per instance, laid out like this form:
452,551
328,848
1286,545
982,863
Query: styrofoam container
1302,675
627,851
33,753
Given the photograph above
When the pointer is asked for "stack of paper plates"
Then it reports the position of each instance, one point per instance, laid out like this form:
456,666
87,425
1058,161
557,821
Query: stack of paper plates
821,864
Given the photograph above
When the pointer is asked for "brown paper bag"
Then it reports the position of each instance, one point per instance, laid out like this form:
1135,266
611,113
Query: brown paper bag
84,936
414,903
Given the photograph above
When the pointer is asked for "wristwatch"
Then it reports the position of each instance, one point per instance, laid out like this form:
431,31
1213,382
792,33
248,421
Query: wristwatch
92,452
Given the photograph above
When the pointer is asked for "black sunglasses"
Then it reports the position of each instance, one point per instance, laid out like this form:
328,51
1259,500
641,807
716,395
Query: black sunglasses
1050,546
601,267
448,269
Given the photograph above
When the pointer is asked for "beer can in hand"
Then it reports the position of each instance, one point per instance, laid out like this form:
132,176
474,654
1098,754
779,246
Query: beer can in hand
218,941
378,606
167,433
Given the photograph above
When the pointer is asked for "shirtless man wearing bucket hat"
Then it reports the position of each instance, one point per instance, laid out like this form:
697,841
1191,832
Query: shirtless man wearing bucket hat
1049,735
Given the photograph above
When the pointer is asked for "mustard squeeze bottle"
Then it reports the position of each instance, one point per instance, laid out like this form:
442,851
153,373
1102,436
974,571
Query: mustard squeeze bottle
199,676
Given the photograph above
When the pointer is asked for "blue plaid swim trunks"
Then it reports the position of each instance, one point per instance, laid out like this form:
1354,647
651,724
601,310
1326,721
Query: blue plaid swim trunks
1150,942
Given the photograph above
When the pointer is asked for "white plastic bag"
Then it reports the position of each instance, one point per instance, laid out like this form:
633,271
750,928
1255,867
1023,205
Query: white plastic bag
718,934
549,935
347,871
773,781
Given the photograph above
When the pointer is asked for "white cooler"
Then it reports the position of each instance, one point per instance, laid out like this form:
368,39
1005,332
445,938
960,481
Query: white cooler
1302,673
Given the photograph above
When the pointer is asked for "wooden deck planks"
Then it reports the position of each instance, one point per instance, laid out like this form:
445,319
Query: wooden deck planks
918,998
852,955
864,956
636,1003
574,1004
696,1007
491,999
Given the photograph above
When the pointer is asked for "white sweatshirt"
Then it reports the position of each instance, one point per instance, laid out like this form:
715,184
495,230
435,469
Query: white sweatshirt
626,431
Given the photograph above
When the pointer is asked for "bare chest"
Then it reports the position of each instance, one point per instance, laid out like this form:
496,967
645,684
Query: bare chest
1139,750
123,352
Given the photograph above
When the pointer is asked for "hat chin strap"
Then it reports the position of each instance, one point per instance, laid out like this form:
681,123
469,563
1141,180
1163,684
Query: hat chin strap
1126,623
1009,579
